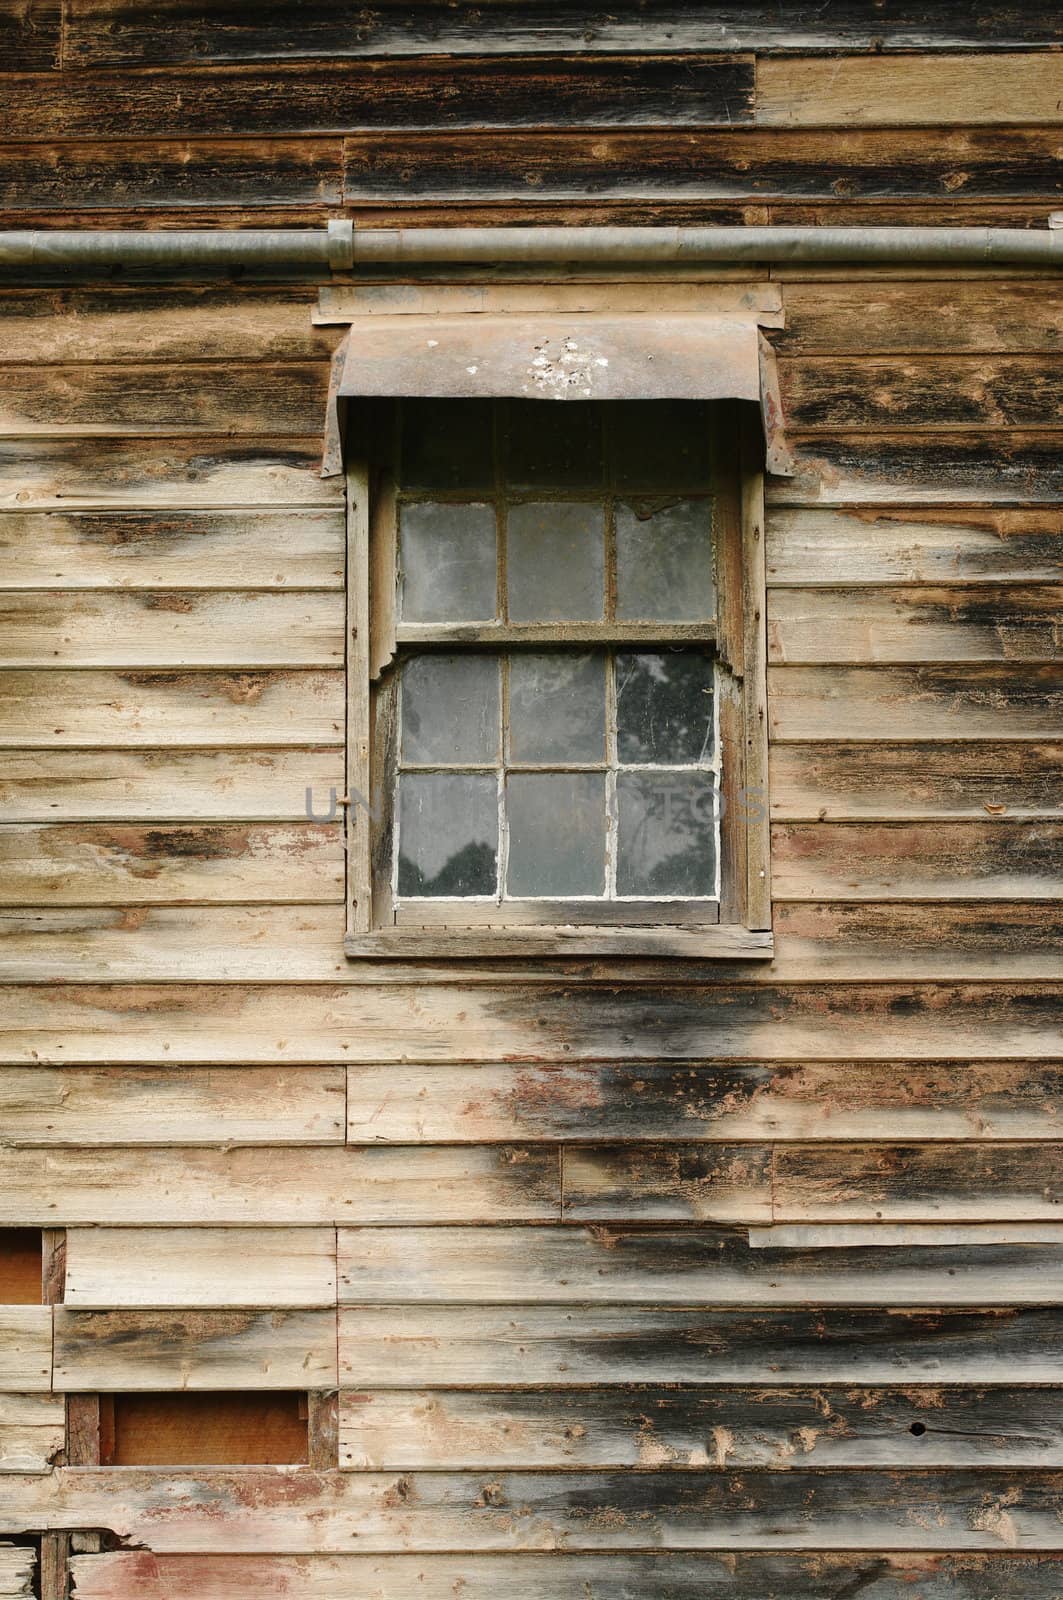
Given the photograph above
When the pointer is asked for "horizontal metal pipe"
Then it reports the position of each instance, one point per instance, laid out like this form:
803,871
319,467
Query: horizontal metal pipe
339,247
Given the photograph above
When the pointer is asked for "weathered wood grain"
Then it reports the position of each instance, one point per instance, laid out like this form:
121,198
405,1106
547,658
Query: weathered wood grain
906,1183
938,89
235,1429
707,1266
998,859
930,703
923,545
32,1433
83,1106
920,467
950,317
704,1183
670,1576
200,1267
727,1429
921,391
128,1351
25,1349
175,1186
176,628
389,1347
159,550
86,863
250,1023
18,1568
30,37
84,708
859,939
841,781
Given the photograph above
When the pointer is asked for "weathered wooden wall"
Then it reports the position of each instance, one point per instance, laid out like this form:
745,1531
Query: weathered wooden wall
697,1281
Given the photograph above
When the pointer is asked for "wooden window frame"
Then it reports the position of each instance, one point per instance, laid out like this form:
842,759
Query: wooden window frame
741,927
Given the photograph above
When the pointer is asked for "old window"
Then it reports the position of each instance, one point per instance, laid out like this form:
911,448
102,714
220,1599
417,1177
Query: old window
556,732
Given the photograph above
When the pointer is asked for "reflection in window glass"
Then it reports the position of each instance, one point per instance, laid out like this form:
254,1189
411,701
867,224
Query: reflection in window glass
556,833
555,561
447,444
550,446
664,562
665,833
448,833
450,710
556,707
664,706
447,563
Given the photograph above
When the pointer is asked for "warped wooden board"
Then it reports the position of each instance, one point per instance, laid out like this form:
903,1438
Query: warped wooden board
917,91
250,1023
130,1351
199,1267
1010,622
85,863
32,1433
729,1429
391,1347
879,704
854,317
854,781
917,467
998,859
586,90
929,392
706,1183
710,1266
247,1186
611,1101
172,628
78,709
25,1349
701,1575
118,33
166,1105
160,549
93,399
914,1183
18,1568
278,1512
178,474
924,545
168,785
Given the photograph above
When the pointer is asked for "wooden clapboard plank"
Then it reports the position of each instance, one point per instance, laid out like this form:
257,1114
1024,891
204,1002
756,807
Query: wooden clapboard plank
162,398
919,467
566,1347
18,1570
130,1351
181,475
656,1100
1011,622
950,317
917,91
994,859
238,1510
78,709
709,1266
30,38
911,1183
844,780
701,1575
189,550
246,1023
233,1429
908,939
83,1106
921,391
201,1267
725,1429
26,1348
585,90
79,863
130,785
244,1186
706,1183
171,628
925,545
926,703
32,1433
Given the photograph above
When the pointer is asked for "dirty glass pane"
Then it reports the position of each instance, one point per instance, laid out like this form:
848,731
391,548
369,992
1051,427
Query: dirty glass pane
664,562
448,833
556,833
664,706
556,706
660,444
555,561
450,710
666,837
553,446
447,444
447,563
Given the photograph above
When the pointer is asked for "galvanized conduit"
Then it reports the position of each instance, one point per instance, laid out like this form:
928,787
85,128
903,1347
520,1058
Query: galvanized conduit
340,247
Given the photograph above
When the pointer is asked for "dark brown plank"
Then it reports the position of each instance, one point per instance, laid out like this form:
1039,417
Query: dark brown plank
30,35
209,1430
905,391
898,781
994,468
993,859
20,1267
947,317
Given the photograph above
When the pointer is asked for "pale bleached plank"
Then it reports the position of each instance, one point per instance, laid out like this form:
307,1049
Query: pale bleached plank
32,1432
83,1106
202,1267
25,1348
995,859
848,781
249,1187
912,90
18,1567
929,703
129,1351
929,622
911,1183
878,545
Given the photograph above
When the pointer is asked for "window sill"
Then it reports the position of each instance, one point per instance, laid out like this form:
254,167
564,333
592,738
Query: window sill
722,941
